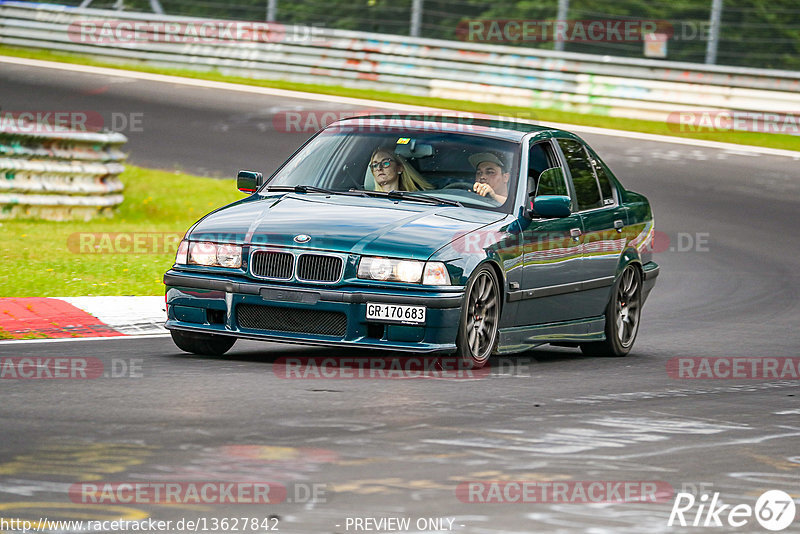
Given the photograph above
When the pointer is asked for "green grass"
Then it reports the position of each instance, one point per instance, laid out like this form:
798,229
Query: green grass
788,142
48,259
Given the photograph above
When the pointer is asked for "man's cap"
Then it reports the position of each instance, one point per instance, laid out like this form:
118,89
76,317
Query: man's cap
477,159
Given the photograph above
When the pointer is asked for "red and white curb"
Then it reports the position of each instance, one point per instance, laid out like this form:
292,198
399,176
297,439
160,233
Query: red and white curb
80,317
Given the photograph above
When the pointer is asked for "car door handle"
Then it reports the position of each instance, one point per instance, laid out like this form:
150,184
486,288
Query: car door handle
575,233
618,224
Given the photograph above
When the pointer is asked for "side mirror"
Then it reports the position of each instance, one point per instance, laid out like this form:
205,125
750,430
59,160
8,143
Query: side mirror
249,181
552,206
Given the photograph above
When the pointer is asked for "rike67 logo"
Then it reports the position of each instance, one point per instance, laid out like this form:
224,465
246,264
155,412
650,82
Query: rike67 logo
774,510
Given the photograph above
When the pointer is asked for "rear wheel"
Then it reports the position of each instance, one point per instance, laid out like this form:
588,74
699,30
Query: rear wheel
203,344
622,316
480,315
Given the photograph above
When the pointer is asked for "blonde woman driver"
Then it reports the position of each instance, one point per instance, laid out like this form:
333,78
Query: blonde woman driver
393,173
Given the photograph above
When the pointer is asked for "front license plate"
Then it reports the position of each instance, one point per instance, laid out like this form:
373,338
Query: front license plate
396,313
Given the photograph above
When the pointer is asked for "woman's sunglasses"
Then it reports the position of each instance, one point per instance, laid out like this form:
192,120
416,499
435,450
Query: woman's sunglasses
384,163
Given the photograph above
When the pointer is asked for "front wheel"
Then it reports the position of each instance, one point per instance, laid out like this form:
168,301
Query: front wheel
622,316
203,344
480,315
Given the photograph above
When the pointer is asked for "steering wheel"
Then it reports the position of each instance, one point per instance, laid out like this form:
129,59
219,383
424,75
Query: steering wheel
459,185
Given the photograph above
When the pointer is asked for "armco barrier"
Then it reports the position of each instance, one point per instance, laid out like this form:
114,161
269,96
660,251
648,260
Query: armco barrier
622,87
59,175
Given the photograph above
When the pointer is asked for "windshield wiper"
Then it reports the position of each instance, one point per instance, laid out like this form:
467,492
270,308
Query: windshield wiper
405,195
299,189
425,196
393,195
305,189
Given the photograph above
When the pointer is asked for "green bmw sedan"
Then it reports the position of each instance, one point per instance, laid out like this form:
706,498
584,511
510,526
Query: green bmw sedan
421,234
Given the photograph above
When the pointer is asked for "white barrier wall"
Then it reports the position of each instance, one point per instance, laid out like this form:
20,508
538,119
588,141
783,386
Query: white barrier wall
59,175
621,87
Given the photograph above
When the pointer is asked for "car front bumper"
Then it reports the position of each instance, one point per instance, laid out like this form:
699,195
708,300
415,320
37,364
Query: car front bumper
200,302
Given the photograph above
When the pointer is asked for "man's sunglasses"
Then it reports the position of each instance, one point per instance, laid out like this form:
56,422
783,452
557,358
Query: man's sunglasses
385,164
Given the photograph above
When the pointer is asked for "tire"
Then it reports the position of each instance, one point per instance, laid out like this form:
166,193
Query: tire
477,331
623,315
203,344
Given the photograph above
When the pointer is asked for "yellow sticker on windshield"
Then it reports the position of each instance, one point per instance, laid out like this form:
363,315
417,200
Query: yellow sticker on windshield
403,140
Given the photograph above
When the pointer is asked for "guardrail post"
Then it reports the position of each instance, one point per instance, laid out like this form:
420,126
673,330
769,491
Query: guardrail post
155,5
416,17
563,9
713,32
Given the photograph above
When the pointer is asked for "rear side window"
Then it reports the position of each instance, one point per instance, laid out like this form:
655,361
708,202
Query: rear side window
586,187
605,183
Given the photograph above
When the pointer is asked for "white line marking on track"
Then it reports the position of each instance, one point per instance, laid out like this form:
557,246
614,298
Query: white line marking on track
61,339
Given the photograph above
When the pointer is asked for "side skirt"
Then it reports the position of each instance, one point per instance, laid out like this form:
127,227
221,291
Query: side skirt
522,338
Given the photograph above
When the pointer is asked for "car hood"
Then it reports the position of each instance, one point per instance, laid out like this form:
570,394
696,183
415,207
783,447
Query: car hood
361,225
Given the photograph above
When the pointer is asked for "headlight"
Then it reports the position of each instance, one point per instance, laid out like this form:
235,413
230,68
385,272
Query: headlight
202,253
229,256
409,271
214,254
379,269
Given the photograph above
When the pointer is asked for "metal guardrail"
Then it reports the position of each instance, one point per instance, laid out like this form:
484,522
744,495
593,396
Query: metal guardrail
59,175
619,87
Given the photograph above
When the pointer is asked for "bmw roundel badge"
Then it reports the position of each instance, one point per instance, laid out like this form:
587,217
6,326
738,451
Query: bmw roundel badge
302,238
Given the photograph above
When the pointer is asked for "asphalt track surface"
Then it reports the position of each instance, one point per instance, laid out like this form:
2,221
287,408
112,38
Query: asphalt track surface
383,448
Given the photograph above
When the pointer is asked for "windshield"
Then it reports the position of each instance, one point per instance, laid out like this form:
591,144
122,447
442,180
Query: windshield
468,169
